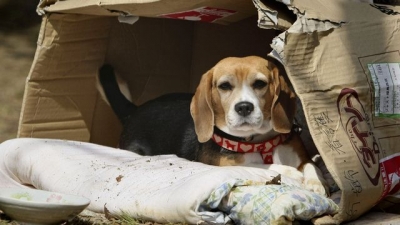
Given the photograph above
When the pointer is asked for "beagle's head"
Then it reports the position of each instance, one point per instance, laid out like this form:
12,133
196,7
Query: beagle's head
242,97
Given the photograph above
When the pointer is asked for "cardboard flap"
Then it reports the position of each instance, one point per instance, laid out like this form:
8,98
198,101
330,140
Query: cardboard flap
318,15
222,11
335,11
345,68
323,10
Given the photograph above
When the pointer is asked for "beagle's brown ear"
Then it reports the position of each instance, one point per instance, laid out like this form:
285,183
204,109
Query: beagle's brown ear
201,108
283,105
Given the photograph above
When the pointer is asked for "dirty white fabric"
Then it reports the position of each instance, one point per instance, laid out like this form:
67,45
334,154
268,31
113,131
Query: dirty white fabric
158,188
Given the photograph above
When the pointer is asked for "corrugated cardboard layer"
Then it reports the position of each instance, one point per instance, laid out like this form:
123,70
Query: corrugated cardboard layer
213,42
153,55
335,11
174,54
274,15
243,8
374,218
69,46
61,100
329,72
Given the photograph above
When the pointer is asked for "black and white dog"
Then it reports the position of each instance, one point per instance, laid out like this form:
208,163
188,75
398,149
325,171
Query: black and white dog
240,114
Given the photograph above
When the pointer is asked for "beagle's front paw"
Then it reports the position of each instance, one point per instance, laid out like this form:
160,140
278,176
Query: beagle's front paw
317,186
314,181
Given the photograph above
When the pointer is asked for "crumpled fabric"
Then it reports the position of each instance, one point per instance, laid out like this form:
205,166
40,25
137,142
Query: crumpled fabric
269,204
164,189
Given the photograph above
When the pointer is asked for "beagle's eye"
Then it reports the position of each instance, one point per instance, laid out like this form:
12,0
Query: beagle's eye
259,84
226,86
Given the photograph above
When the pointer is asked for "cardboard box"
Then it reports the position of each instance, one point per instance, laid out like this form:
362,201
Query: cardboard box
336,53
343,59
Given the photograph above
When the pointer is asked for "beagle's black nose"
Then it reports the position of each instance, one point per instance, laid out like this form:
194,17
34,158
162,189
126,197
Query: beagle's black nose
244,108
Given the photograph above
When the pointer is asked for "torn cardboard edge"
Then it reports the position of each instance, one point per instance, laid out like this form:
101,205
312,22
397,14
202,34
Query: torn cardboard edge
274,15
308,30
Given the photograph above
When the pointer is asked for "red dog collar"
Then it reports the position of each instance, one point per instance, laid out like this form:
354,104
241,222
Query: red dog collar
265,148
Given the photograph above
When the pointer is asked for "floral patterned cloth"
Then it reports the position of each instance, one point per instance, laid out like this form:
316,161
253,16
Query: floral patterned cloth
248,202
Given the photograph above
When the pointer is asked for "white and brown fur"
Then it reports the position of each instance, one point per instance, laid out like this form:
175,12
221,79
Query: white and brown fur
183,124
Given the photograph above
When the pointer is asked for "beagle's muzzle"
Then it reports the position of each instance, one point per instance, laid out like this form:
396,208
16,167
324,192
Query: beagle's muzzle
241,114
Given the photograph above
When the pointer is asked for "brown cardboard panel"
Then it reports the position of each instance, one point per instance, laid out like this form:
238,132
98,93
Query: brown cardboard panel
389,205
67,42
67,110
242,8
106,128
51,107
172,56
328,71
153,55
212,42
335,11
380,218
60,96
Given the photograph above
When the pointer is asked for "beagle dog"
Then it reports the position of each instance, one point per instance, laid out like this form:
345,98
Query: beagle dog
240,115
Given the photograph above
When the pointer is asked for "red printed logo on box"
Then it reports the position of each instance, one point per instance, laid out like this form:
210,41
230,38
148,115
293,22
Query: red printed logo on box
204,14
356,123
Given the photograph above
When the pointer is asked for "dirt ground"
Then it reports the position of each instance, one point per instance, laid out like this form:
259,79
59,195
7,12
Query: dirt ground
88,218
19,26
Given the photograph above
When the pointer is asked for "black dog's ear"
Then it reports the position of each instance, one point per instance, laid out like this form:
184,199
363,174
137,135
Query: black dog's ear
283,105
201,108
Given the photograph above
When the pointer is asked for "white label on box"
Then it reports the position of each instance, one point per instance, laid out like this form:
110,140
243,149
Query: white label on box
386,79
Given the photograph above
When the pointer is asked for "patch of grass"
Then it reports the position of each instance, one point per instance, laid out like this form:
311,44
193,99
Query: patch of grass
125,219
